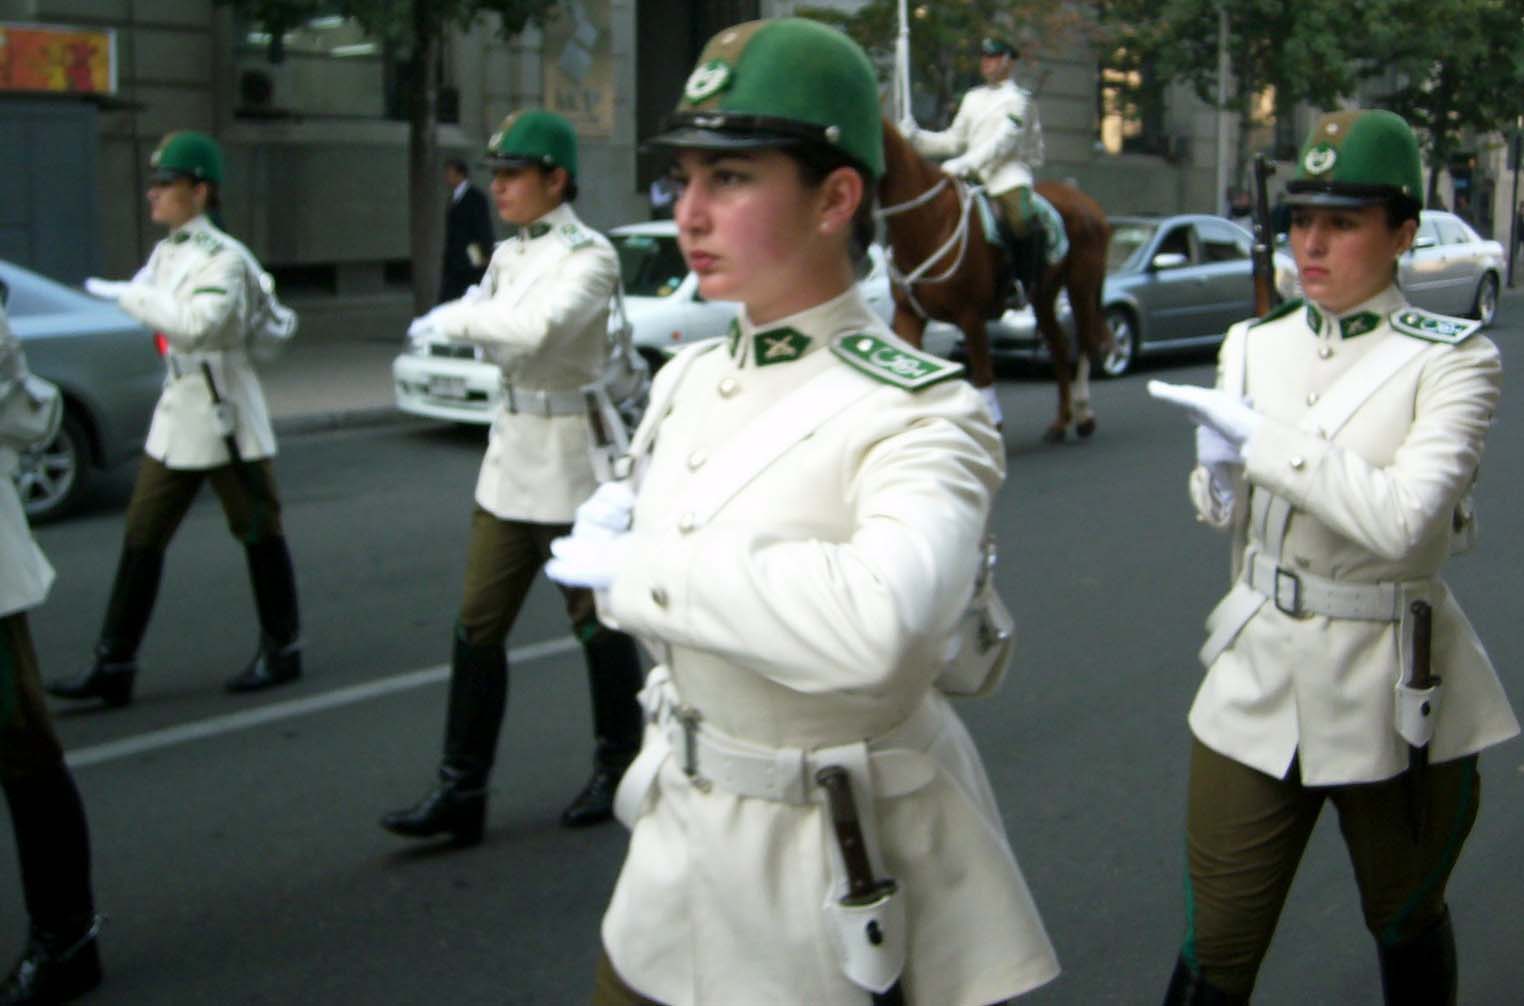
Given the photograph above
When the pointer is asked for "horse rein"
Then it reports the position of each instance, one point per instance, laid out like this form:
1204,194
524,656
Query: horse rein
965,194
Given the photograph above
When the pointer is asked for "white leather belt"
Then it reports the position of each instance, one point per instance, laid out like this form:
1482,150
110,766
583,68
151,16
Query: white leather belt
189,364
1300,594
543,402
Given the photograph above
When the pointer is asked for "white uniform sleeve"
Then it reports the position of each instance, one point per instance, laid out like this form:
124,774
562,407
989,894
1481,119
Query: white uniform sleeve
566,297
818,615
951,141
1003,141
198,319
1390,509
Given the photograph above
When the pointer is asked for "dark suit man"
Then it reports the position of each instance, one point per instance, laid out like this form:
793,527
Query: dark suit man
468,234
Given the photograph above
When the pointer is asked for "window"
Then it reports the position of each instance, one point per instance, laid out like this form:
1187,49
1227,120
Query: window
1222,242
1451,231
1130,106
650,265
1176,242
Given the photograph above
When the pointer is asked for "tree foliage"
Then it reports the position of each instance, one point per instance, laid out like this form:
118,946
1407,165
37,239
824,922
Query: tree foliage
944,36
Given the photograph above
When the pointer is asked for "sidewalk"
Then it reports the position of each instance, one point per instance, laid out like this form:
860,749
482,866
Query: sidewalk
338,370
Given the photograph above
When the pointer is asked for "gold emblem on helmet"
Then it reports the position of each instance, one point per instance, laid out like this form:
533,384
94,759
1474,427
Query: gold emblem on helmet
1319,159
707,80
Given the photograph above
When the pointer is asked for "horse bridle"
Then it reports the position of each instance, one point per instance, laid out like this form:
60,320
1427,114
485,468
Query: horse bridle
904,281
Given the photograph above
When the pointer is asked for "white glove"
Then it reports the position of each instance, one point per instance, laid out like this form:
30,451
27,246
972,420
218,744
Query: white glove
105,289
1221,461
588,560
907,127
606,514
958,167
1220,411
421,330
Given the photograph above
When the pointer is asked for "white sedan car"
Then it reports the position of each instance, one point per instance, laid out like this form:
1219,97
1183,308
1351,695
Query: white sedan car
444,379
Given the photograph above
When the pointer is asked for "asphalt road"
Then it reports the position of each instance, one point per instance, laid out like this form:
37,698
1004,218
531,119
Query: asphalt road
236,848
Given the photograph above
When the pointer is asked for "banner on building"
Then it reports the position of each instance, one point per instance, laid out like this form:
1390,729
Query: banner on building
579,66
57,59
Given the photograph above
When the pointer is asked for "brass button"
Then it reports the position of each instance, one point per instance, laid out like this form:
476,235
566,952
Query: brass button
1324,352
1298,463
658,597
729,387
1312,398
697,458
687,522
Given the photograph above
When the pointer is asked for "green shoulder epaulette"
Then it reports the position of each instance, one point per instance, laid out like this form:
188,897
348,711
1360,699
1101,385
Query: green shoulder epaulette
574,236
1421,324
1279,312
882,360
205,240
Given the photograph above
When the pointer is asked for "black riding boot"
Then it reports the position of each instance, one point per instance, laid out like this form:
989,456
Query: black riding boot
133,593
53,844
279,658
1422,971
614,679
1189,988
478,700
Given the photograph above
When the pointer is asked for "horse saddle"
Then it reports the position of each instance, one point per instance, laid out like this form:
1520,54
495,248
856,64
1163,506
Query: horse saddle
1046,243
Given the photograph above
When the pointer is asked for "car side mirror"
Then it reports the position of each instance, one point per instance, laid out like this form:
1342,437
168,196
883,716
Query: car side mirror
1168,260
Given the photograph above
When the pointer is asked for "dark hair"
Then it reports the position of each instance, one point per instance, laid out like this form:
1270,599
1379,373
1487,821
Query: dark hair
457,165
1400,209
213,202
815,164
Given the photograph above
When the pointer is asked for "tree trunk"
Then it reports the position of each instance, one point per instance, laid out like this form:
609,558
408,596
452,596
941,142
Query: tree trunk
425,202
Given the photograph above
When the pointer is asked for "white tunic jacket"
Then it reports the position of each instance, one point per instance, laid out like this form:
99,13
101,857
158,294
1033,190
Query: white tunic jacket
199,291
811,611
543,318
1372,503
997,129
25,575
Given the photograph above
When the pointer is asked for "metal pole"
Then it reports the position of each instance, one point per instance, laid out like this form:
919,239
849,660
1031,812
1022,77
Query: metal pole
1513,206
902,68
1222,111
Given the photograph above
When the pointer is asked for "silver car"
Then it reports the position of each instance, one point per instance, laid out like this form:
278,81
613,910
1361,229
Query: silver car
1451,269
110,374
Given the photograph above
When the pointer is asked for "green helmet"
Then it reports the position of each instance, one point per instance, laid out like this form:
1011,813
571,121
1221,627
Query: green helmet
186,154
779,83
992,46
535,137
1357,157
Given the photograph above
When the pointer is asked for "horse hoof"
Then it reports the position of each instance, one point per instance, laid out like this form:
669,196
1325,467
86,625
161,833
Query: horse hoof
1053,435
1085,428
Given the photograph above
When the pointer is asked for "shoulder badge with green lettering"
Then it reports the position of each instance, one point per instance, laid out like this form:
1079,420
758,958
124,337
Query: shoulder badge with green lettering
1432,327
1280,312
881,360
574,236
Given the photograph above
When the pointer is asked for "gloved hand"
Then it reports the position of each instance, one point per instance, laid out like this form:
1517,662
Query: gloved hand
1217,410
105,289
958,167
907,127
606,513
422,329
588,559
1221,461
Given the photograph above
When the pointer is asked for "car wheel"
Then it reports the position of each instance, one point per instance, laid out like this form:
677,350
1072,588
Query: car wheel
1124,333
1486,306
51,479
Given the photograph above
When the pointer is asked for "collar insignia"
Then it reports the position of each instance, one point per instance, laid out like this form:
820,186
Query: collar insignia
1359,324
779,345
1314,319
537,230
707,80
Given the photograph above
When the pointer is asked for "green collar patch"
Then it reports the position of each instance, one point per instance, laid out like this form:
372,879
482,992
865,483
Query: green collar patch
733,337
883,361
1314,319
537,230
1359,324
778,345
1279,312
1422,324
179,237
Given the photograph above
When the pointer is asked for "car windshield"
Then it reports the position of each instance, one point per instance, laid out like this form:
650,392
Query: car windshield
650,265
1128,239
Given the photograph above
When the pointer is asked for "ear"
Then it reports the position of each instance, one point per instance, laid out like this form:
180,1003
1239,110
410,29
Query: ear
557,179
840,195
200,193
1406,231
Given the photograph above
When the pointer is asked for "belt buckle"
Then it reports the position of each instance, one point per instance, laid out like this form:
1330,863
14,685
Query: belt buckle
1285,575
689,718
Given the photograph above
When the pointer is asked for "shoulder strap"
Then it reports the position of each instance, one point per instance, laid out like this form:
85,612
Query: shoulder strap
661,398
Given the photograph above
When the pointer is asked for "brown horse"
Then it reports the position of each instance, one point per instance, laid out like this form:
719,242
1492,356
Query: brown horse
959,277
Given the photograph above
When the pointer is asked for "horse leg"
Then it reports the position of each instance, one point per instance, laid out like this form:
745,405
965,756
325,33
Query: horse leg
1058,352
1084,415
907,324
981,366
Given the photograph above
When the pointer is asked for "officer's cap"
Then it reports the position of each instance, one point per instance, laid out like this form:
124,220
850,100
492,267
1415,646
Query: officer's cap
186,154
781,83
533,137
992,46
1357,157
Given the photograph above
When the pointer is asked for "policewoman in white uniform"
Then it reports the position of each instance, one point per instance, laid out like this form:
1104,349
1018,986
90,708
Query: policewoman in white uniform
800,609
61,959
201,291
1339,448
542,315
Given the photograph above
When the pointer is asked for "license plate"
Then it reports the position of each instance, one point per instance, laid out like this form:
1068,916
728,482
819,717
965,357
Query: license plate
447,387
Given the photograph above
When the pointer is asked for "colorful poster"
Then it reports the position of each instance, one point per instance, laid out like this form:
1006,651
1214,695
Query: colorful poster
579,67
35,57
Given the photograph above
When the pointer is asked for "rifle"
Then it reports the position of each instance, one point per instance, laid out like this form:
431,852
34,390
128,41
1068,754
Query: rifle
1420,678
1264,240
862,888
603,447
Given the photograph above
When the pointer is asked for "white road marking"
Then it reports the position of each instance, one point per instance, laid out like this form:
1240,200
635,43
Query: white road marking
216,726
